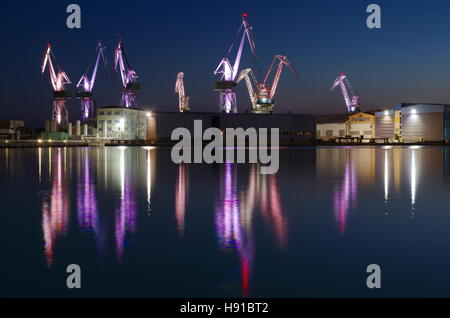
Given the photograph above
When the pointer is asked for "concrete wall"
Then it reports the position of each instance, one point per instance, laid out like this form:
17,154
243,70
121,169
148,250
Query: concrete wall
423,127
384,125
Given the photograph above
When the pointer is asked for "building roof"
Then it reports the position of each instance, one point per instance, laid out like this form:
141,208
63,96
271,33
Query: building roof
332,119
119,107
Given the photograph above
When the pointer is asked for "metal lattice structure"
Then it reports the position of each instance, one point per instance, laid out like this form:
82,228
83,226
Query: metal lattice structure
58,80
262,94
183,100
351,100
128,76
227,82
86,85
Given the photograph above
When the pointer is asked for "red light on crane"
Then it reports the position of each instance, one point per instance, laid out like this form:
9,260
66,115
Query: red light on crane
244,15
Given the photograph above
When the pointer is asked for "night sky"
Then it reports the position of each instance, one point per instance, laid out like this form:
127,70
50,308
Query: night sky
408,60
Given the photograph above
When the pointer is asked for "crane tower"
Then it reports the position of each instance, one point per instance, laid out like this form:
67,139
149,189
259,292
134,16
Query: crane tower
351,100
227,82
58,80
128,76
86,85
183,100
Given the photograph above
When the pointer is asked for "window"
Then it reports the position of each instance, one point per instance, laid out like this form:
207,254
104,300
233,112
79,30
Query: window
109,113
101,113
329,133
116,113
117,121
341,133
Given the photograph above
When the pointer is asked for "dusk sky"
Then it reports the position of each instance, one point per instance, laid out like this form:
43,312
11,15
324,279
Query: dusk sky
408,60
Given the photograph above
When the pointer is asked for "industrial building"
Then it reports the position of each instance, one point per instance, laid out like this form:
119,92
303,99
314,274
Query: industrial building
122,123
292,128
411,122
359,125
11,129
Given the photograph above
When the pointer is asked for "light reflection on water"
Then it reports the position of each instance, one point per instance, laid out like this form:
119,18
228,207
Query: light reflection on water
127,206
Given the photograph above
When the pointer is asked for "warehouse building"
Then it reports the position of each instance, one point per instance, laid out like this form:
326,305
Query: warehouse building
331,126
292,128
359,125
121,123
410,122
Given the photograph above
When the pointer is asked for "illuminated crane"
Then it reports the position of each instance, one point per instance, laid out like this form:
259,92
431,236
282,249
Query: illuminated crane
351,100
183,100
86,85
251,83
60,95
227,97
128,75
262,100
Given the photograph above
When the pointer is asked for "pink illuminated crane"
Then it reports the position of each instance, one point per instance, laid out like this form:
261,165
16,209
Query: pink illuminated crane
227,97
351,100
128,75
86,85
183,100
58,79
262,100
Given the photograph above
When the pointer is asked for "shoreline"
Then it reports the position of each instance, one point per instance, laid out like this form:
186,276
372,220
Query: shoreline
14,144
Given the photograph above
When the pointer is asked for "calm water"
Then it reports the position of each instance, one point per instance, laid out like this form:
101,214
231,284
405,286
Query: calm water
139,225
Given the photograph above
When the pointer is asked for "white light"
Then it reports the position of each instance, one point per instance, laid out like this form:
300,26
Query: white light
122,147
413,111
149,114
386,113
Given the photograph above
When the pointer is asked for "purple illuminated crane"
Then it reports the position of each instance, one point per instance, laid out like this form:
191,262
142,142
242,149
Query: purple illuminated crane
183,100
86,85
60,95
128,75
262,99
351,100
227,97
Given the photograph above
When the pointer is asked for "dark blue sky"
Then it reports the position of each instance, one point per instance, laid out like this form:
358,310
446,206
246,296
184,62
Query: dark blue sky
407,60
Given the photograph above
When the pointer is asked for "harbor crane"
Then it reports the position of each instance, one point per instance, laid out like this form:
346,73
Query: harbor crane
229,72
86,85
58,80
262,98
351,100
183,100
128,76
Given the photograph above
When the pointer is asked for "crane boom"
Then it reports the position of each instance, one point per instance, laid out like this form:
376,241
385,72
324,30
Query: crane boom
57,80
86,84
250,81
351,100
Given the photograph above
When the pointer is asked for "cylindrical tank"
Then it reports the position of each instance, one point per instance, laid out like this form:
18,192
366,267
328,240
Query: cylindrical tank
78,129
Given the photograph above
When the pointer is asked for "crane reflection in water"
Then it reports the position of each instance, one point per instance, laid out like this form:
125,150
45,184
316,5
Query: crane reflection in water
55,206
235,212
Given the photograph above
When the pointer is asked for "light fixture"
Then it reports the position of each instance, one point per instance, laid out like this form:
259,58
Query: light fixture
413,111
386,113
149,114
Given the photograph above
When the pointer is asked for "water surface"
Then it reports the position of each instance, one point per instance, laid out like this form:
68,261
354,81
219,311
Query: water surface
141,226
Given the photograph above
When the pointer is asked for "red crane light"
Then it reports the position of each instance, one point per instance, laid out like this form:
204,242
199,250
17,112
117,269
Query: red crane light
244,15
